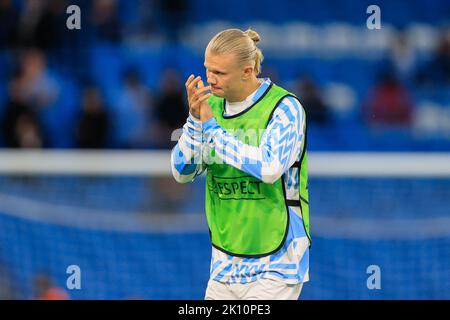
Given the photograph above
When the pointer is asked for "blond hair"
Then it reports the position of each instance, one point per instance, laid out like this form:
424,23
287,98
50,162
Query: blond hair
241,43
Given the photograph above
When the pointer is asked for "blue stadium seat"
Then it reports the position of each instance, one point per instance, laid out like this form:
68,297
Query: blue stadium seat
60,118
106,67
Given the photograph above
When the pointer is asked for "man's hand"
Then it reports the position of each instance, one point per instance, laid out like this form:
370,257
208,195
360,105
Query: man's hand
206,112
197,95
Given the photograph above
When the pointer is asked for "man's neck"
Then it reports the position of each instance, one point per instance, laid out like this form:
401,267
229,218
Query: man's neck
248,90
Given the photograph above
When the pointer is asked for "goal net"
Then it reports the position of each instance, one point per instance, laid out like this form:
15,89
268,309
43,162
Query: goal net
380,226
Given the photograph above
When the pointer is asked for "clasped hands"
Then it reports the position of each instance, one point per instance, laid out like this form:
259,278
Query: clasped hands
198,95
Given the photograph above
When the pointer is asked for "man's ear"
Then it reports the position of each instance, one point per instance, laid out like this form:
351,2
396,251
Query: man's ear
248,71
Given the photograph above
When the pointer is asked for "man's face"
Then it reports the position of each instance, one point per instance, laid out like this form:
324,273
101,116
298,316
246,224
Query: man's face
224,74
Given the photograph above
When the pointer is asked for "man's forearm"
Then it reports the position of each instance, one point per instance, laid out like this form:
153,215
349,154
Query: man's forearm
186,155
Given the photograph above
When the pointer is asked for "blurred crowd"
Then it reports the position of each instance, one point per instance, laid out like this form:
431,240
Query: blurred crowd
38,54
33,35
391,100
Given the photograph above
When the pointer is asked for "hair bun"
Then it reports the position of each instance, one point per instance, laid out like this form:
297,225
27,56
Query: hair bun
253,35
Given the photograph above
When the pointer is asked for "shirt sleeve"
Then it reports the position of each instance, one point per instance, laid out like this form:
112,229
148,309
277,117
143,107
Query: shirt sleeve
280,145
186,156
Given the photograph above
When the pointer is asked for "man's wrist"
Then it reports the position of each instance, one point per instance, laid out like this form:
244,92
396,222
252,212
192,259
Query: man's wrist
209,124
194,119
209,127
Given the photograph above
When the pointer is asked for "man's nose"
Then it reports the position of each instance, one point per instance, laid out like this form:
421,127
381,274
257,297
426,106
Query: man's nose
210,79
